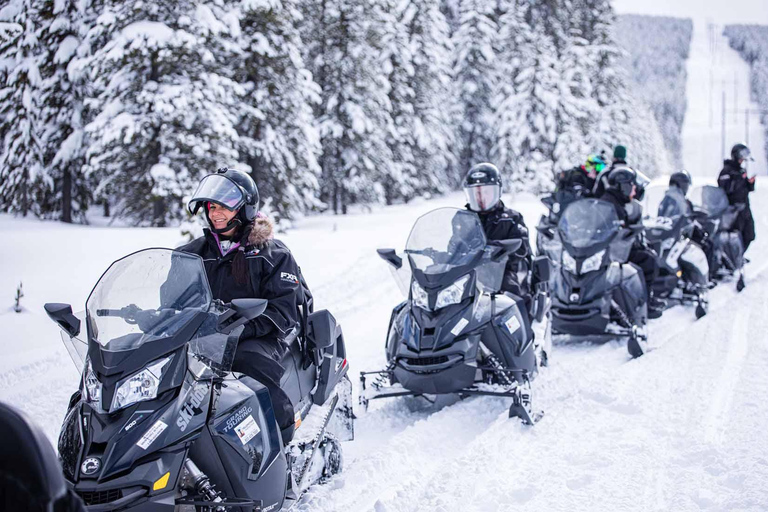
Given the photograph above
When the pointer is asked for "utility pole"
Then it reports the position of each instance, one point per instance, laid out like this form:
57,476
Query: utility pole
746,126
723,124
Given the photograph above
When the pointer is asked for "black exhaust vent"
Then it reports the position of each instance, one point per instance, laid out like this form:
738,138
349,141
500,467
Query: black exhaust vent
574,312
426,361
100,497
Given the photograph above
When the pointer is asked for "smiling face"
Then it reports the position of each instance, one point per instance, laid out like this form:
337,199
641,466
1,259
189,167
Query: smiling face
220,217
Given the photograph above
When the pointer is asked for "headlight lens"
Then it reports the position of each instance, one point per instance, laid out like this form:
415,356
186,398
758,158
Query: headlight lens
140,386
91,386
569,263
593,262
419,296
452,294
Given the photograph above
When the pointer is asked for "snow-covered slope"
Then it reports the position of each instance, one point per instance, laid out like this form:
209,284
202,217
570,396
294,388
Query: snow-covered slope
682,428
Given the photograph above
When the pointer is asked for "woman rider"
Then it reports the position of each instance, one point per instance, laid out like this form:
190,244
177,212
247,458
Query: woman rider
243,260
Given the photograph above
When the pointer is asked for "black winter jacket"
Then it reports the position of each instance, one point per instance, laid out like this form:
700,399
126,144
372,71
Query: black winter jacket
618,203
502,223
576,180
733,179
271,273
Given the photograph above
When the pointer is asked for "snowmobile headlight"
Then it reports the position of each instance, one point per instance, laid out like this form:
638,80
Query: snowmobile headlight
569,263
419,296
140,386
91,386
452,294
593,262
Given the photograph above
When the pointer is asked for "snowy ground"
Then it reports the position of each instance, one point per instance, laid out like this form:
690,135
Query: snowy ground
682,428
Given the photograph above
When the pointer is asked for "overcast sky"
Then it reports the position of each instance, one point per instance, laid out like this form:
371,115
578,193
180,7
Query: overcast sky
719,11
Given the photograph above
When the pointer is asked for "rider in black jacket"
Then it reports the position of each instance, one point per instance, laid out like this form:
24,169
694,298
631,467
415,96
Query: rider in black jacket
581,180
243,260
620,191
737,185
483,188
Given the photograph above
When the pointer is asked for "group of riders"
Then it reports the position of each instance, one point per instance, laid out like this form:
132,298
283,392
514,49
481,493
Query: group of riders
242,258
619,184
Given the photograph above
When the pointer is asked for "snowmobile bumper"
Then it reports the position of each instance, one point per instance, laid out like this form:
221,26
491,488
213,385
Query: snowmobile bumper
134,491
587,319
435,375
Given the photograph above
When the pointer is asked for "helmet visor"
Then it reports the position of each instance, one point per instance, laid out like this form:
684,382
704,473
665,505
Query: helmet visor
745,154
218,189
483,197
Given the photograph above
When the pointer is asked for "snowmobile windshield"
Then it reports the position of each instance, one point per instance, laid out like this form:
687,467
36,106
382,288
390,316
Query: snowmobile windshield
588,222
145,297
712,200
445,239
673,205
218,189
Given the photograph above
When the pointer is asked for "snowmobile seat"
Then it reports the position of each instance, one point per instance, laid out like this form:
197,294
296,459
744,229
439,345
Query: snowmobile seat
30,475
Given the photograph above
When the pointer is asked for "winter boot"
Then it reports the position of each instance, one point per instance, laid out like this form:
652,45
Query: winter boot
655,306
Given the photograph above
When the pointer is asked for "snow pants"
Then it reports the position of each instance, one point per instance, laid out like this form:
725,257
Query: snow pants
259,358
746,225
645,259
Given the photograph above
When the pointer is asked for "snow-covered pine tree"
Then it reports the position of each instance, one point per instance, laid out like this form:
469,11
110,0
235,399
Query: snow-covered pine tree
22,178
433,98
165,107
618,118
401,180
476,75
355,112
527,112
278,139
61,102
577,108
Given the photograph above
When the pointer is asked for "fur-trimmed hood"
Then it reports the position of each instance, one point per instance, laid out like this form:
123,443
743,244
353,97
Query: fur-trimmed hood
262,231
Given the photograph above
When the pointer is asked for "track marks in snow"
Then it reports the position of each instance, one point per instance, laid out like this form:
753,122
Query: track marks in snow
412,454
726,382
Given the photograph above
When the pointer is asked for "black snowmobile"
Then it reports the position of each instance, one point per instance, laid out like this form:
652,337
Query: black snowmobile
683,267
161,423
719,219
596,295
457,333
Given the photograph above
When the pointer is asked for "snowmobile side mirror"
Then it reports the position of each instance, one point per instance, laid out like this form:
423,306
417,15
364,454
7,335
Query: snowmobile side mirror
62,315
249,309
390,257
542,269
508,247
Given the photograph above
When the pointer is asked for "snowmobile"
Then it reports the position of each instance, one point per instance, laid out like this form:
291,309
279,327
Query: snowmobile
683,267
719,220
457,333
596,295
160,422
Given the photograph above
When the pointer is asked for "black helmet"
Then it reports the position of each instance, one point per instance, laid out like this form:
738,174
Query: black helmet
682,180
483,187
232,189
622,179
741,152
